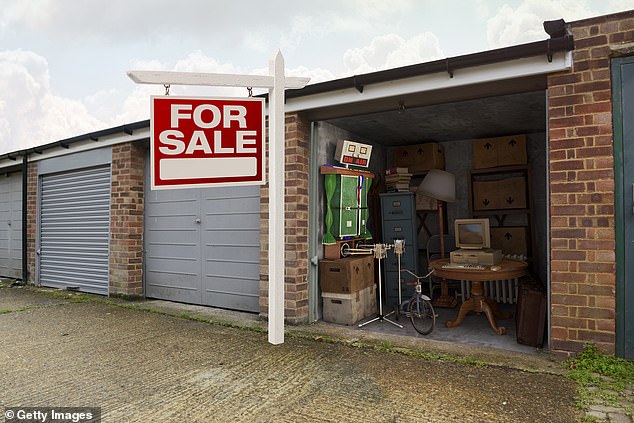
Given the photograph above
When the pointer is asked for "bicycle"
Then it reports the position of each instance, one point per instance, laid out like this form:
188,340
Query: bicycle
418,307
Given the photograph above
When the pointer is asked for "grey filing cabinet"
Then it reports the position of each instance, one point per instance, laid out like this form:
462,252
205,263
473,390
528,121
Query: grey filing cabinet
398,211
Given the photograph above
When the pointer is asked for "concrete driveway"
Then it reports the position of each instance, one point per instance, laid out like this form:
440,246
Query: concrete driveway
152,366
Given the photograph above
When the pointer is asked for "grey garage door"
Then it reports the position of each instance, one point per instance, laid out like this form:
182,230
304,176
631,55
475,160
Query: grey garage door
75,230
202,246
11,225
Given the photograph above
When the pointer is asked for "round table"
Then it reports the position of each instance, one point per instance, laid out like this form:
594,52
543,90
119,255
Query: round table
509,269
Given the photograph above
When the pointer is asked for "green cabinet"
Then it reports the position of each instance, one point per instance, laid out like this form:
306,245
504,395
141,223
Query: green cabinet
346,204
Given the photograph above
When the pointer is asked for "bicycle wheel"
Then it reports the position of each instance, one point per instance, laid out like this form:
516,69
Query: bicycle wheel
422,315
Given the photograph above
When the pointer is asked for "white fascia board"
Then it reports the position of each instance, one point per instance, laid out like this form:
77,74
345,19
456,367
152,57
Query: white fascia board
518,68
75,147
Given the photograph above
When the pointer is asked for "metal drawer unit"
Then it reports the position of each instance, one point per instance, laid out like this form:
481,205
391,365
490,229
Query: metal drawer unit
398,211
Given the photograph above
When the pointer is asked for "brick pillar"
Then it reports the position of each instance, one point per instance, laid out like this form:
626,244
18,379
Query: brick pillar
581,158
126,219
31,230
297,134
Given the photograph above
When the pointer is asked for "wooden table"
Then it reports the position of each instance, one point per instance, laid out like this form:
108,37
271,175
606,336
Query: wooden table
478,303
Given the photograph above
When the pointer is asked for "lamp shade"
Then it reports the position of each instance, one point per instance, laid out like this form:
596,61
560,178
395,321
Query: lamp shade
439,185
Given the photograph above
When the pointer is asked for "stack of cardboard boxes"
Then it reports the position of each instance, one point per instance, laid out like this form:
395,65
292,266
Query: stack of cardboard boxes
348,289
501,186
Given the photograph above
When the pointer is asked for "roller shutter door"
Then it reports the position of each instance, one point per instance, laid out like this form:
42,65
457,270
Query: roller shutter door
203,246
11,225
75,230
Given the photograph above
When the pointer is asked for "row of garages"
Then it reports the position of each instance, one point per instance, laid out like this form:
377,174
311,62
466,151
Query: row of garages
207,246
201,246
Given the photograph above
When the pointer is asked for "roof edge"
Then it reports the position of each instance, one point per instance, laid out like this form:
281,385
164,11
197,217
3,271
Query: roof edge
127,128
547,47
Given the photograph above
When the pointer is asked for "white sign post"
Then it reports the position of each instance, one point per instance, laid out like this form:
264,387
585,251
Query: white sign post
276,82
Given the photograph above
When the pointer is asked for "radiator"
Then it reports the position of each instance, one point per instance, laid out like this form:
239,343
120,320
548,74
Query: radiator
502,291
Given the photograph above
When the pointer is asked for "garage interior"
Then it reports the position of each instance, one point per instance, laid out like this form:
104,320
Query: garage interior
453,119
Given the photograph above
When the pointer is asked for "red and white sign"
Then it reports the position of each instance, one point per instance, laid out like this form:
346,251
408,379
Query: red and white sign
201,142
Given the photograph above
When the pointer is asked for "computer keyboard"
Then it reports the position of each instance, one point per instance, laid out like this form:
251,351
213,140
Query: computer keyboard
463,266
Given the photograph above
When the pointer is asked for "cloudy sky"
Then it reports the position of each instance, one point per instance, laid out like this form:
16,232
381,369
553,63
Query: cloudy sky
63,63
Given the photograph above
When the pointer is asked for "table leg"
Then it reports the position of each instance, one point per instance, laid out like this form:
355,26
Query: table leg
495,307
465,308
488,311
479,305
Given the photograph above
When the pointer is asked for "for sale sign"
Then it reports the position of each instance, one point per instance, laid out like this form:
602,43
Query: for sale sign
200,142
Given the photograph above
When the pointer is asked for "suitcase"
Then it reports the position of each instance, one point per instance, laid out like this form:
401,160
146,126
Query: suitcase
530,316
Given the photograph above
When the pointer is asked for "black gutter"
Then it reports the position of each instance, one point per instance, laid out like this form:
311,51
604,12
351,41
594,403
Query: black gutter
449,65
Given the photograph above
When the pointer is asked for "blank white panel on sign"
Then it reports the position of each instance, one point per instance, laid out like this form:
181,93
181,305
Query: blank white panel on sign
215,167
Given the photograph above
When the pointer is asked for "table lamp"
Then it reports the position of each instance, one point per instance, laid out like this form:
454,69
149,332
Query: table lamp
441,186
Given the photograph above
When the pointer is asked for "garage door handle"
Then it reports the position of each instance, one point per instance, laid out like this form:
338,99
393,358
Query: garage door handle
198,220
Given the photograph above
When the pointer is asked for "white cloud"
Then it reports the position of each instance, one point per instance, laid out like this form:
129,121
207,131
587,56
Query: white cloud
523,24
30,114
392,50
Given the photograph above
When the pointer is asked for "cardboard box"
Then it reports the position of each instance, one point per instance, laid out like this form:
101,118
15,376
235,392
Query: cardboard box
419,158
486,195
511,240
424,202
347,309
501,194
499,151
346,275
512,193
485,153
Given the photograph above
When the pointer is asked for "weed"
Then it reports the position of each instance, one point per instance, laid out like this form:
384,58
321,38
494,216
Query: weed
601,378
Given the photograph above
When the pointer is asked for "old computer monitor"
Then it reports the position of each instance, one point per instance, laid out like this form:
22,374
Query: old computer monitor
472,233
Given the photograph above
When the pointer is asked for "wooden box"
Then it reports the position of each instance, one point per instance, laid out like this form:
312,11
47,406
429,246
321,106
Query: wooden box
419,158
346,275
511,240
499,151
347,309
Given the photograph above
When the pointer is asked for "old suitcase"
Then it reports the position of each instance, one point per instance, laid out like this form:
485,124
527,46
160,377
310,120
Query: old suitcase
530,316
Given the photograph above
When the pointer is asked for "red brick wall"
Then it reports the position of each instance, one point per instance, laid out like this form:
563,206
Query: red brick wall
126,219
582,188
297,135
31,222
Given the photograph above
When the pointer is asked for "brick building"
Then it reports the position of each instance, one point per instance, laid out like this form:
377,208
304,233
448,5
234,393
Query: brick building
563,89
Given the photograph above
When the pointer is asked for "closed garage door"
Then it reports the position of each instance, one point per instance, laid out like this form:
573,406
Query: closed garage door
75,230
203,246
11,225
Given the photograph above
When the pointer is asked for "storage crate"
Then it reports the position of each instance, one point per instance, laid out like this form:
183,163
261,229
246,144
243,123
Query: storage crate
346,275
347,309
